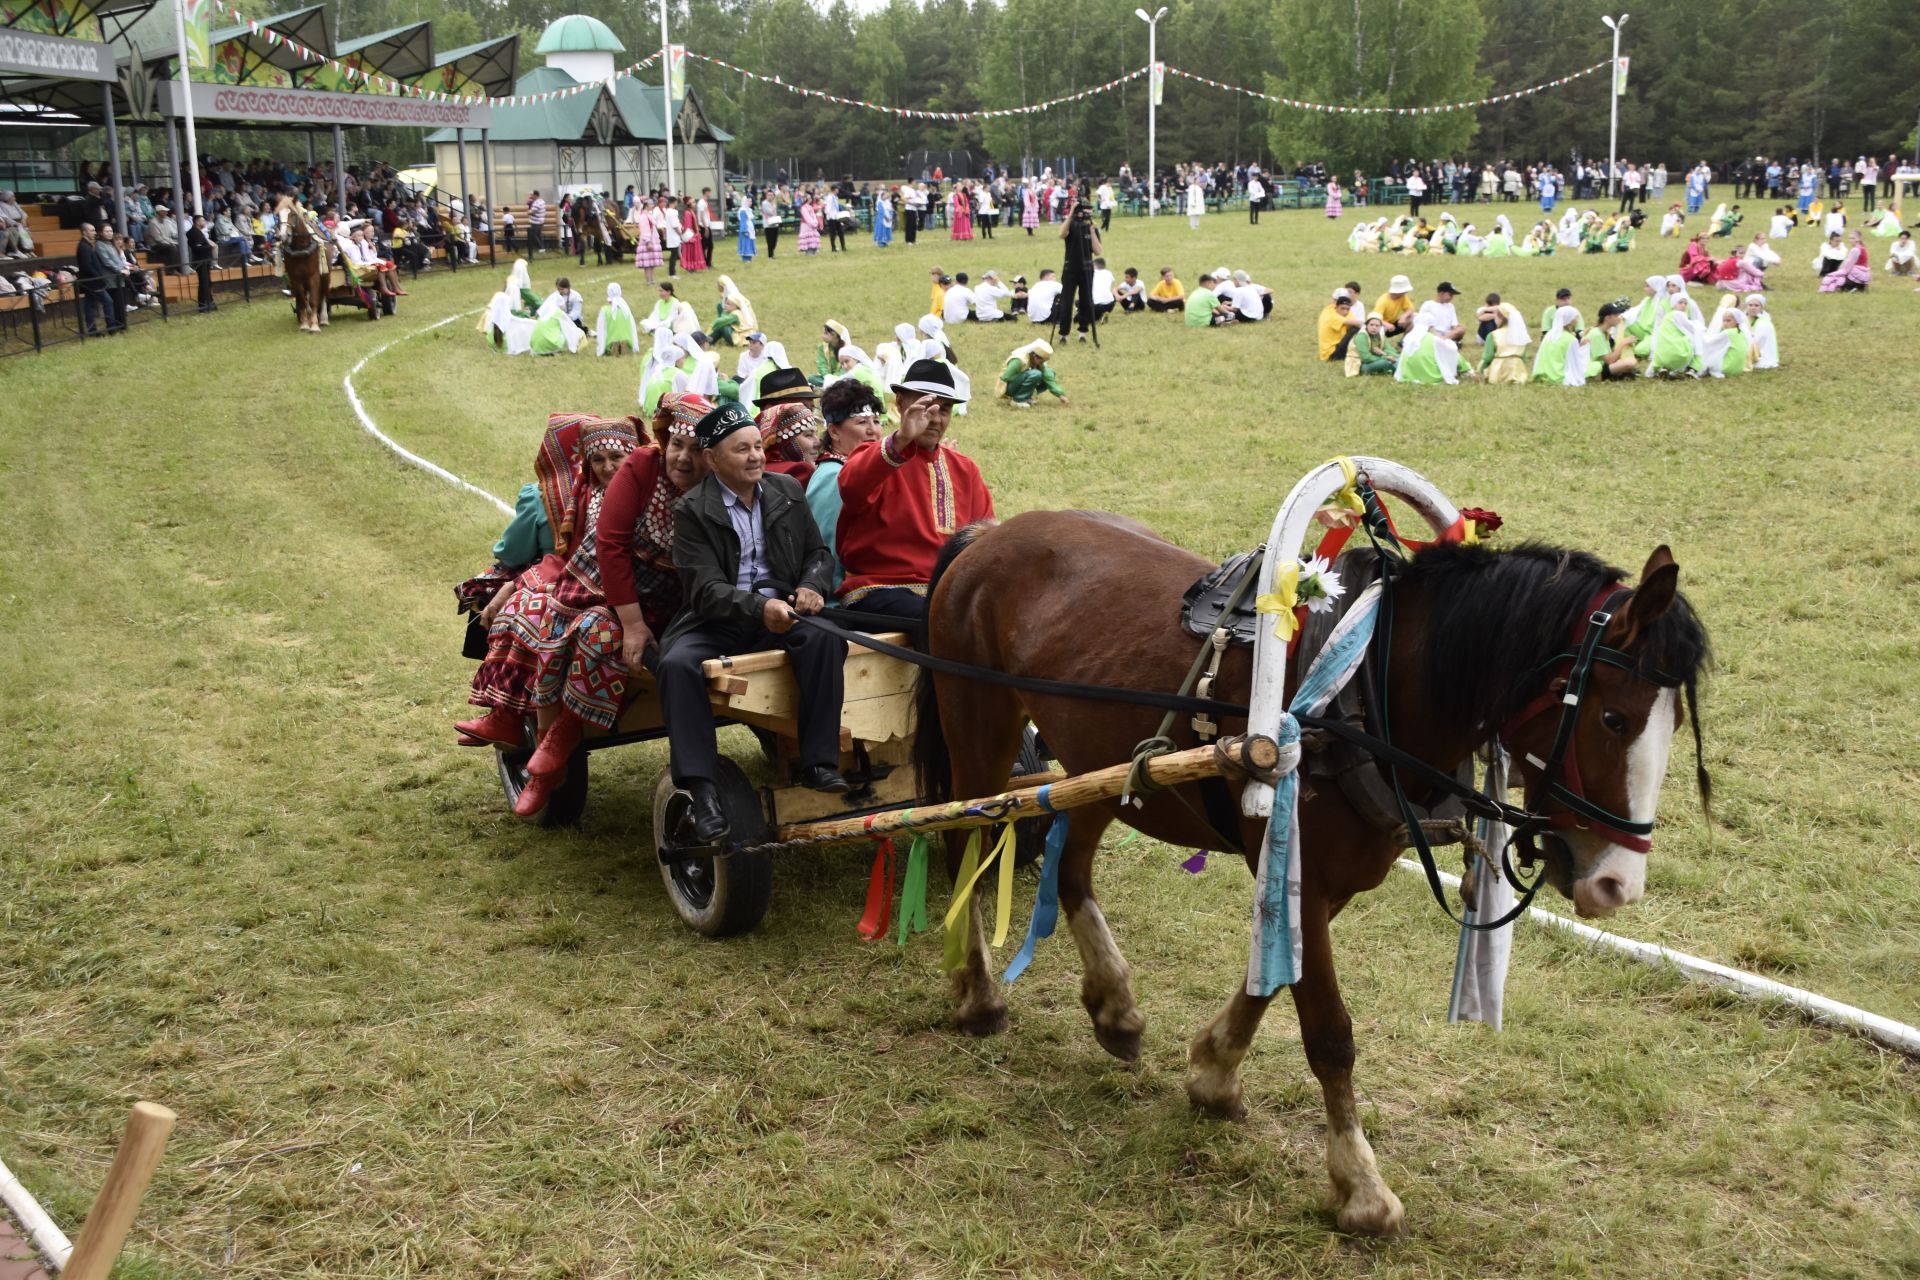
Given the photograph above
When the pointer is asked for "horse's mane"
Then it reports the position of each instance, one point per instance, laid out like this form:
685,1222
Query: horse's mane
1496,616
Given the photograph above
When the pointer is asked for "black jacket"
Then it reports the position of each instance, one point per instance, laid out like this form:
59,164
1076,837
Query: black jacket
91,271
707,553
199,245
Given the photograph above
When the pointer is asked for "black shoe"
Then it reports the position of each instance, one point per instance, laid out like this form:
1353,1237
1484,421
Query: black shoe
710,825
822,777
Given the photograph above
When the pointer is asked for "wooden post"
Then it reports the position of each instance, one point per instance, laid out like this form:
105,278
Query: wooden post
1256,754
107,1224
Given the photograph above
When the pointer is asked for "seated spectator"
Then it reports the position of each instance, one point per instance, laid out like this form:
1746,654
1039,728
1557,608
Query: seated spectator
853,417
891,527
750,564
957,306
1167,294
1395,306
1042,298
1251,301
1102,289
988,297
15,240
1371,350
1336,325
1130,293
1205,308
1027,374
790,437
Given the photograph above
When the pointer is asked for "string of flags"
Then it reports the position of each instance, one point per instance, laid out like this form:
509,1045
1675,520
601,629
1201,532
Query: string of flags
351,74
907,113
1334,109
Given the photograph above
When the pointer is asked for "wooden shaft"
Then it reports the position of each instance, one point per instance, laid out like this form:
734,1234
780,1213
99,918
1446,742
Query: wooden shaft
1258,754
770,659
108,1222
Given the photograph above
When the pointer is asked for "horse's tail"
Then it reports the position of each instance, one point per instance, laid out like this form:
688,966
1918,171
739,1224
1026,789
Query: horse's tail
932,765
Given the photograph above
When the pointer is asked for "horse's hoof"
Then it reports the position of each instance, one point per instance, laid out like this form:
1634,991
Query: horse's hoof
1122,1042
1216,1106
1373,1211
981,1022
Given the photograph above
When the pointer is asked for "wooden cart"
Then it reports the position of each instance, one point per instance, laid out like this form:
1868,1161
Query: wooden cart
721,896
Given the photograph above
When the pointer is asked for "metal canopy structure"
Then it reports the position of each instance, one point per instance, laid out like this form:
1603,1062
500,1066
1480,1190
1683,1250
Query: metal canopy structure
240,55
488,67
404,53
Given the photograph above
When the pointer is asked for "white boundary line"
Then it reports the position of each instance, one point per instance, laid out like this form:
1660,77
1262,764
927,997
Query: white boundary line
47,1237
1882,1030
367,424
1894,1035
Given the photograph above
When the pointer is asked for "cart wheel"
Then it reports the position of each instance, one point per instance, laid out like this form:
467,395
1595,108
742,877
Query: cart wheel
723,896
569,799
1030,834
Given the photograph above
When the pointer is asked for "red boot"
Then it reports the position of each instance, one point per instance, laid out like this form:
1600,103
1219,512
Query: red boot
534,796
556,746
499,725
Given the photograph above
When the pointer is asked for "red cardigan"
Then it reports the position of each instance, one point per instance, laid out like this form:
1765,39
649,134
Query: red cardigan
897,511
624,543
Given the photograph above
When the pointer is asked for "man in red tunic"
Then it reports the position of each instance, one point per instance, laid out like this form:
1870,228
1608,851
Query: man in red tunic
903,496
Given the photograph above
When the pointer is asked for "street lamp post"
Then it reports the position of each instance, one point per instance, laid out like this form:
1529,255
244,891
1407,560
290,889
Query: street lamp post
1153,67
1613,127
666,95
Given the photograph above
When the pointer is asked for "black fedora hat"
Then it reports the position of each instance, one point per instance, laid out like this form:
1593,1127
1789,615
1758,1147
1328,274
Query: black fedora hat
781,386
933,378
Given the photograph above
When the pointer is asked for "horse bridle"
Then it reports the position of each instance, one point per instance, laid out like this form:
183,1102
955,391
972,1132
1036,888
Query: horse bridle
1561,768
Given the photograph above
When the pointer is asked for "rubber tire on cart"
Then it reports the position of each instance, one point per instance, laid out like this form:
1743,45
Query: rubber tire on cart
569,799
717,897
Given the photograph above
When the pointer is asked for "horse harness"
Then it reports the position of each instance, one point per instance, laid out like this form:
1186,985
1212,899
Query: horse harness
1352,745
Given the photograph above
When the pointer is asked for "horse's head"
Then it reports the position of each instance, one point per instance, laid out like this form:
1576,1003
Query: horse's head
1593,748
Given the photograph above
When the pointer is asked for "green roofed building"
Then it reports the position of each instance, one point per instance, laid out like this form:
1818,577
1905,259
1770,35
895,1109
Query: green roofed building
608,136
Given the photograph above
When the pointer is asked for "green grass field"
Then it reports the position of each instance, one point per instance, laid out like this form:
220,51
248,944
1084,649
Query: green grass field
249,875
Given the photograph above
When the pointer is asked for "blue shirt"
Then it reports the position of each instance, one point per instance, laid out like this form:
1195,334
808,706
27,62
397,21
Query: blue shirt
751,531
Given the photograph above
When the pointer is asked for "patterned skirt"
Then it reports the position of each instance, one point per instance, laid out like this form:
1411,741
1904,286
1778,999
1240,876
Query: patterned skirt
597,682
529,642
646,251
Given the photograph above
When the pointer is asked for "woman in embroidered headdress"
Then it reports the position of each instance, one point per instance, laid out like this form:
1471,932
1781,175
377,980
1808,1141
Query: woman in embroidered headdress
528,639
790,434
614,637
853,416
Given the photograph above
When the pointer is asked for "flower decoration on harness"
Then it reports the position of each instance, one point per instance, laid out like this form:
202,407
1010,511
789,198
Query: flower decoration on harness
1476,524
1309,581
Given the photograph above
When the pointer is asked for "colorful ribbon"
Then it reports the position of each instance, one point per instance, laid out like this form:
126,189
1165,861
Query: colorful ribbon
875,919
1335,109
972,867
1046,904
913,890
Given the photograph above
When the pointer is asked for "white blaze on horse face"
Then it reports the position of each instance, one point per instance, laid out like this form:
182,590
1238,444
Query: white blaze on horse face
1613,876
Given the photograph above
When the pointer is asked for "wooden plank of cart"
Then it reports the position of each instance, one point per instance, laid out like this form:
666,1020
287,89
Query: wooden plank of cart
726,893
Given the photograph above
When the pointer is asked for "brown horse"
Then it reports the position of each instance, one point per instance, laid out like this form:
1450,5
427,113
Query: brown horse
308,261
1470,648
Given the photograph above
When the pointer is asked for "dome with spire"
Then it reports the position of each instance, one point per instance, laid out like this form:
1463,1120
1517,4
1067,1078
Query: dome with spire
578,33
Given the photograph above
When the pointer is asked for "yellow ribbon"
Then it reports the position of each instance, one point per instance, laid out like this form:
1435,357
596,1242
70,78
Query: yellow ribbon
1349,494
1281,601
1470,531
972,867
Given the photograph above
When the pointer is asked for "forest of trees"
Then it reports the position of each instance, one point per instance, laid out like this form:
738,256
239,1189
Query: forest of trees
1711,79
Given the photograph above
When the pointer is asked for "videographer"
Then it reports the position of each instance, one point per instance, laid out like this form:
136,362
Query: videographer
1076,271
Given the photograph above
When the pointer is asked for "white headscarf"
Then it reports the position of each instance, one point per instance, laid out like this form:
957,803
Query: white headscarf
737,303
1516,325
519,278
1501,227
616,305
1446,354
1760,332
570,332
1574,372
705,378
516,330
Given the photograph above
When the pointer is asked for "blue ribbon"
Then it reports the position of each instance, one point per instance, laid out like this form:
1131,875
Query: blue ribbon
1046,906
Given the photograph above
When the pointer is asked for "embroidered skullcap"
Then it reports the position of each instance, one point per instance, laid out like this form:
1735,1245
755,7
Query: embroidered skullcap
721,423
